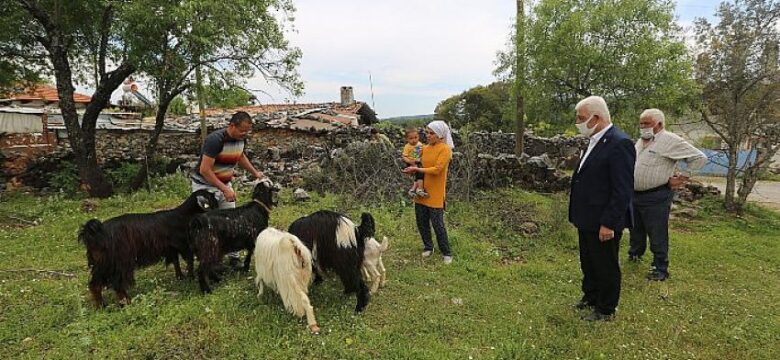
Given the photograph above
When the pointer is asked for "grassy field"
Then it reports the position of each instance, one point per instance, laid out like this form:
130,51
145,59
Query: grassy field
506,295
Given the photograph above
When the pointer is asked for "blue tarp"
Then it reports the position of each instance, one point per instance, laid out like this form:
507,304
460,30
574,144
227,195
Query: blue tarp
719,161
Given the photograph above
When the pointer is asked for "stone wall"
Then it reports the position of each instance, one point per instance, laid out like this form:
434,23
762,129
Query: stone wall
285,154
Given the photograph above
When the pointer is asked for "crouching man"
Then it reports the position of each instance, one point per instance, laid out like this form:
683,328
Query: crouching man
222,150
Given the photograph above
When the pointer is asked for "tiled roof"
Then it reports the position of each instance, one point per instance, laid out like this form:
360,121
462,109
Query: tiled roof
46,93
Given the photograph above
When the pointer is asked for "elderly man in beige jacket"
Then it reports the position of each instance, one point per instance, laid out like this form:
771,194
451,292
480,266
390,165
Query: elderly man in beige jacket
658,152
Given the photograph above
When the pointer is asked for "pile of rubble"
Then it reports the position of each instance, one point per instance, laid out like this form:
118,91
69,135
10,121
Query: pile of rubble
694,191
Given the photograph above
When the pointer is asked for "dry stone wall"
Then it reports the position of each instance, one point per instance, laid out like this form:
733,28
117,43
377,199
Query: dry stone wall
286,155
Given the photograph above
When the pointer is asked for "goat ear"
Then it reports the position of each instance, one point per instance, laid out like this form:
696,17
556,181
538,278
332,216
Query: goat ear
203,202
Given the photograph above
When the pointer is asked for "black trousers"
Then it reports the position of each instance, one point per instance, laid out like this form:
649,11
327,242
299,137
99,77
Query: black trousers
651,219
600,270
427,216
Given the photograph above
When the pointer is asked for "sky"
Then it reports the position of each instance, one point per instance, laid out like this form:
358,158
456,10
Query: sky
418,52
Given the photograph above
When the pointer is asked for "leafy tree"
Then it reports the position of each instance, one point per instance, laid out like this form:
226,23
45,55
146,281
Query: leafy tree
737,68
231,40
178,106
485,108
628,51
79,40
58,37
219,94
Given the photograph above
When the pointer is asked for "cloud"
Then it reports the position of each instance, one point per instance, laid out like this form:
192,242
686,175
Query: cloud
418,52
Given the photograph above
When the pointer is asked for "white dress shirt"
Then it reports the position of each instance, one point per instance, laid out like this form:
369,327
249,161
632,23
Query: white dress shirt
594,140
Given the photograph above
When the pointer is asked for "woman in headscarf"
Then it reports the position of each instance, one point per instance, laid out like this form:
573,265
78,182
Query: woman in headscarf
436,156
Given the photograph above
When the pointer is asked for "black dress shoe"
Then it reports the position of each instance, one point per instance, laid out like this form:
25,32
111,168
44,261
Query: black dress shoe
582,305
656,275
597,316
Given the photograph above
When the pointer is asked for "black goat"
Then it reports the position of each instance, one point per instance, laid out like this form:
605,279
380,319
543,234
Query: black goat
337,244
226,230
117,247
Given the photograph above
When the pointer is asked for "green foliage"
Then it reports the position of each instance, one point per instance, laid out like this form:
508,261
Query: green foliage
506,295
178,106
709,142
66,179
220,95
122,175
487,108
629,52
413,120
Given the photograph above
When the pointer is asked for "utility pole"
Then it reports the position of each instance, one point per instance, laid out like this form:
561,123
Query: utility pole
201,103
519,77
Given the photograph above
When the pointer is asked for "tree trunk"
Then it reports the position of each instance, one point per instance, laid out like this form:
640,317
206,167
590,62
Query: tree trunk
151,146
81,142
519,76
81,136
753,173
731,180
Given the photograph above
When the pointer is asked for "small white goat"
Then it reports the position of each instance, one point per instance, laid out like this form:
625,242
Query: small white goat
283,263
373,269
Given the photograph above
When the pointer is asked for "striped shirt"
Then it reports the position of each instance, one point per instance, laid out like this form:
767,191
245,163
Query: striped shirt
657,159
226,152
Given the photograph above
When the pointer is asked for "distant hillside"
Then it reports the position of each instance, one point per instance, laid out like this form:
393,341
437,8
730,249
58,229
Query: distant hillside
409,118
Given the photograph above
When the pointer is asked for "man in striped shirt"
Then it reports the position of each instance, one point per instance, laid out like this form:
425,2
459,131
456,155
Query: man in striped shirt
222,150
658,152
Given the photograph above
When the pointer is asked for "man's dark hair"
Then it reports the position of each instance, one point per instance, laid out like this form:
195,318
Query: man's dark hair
240,117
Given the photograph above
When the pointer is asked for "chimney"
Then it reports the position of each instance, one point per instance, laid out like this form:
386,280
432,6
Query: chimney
347,96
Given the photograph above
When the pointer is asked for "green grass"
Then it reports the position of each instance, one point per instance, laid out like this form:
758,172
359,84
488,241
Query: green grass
507,295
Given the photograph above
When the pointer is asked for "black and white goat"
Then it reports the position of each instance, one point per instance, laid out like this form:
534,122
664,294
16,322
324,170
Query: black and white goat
222,231
337,244
117,247
373,268
283,263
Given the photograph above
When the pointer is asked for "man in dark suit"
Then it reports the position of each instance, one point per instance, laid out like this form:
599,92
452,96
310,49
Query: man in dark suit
599,206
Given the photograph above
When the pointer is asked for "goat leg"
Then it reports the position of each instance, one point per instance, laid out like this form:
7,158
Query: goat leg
123,298
248,259
383,273
362,296
189,259
375,278
176,267
203,280
97,294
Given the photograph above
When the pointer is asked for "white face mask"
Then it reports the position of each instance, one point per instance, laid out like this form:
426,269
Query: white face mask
646,133
583,127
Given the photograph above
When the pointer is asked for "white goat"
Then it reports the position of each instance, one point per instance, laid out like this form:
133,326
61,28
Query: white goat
283,263
373,269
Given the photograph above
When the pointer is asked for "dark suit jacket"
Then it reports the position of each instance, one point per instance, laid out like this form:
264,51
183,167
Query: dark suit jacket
601,191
